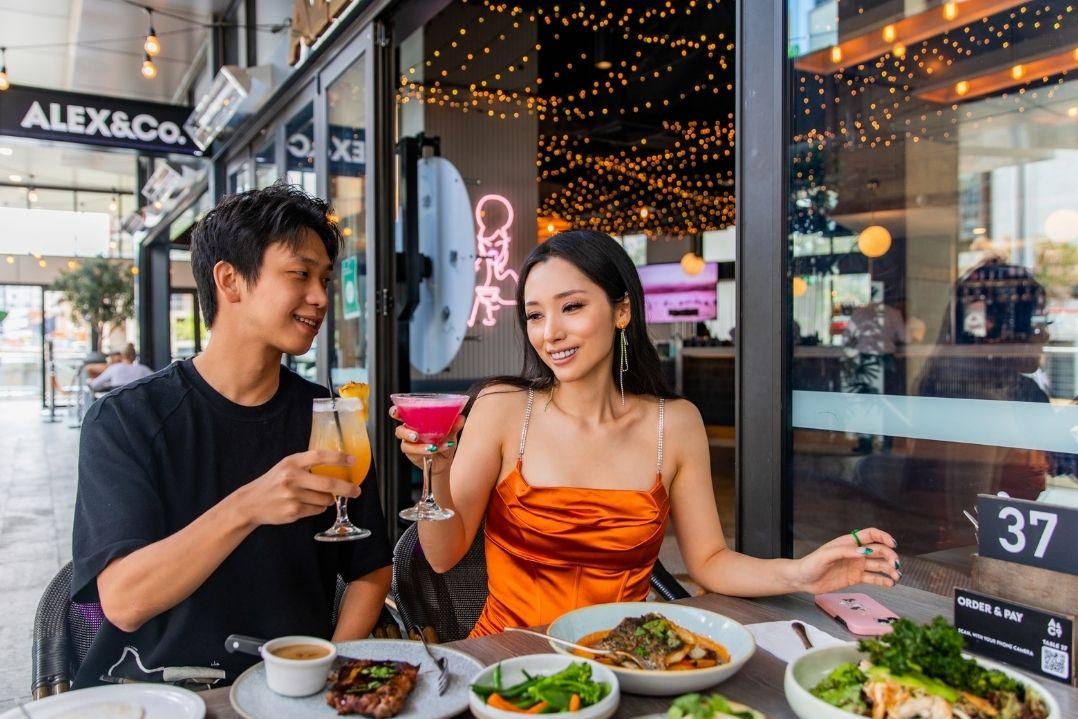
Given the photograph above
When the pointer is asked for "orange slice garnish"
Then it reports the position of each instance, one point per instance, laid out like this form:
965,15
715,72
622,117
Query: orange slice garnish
357,390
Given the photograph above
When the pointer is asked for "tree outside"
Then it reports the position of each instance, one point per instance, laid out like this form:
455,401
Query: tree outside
100,292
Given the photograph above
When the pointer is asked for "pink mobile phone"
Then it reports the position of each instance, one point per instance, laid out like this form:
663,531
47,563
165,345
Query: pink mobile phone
859,613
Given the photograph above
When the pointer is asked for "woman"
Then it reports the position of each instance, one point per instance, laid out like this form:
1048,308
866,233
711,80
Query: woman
576,465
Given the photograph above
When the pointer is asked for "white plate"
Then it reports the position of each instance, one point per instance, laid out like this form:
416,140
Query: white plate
252,699
157,701
812,666
732,635
513,673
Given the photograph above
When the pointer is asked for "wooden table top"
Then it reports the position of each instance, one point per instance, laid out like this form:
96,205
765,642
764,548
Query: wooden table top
758,684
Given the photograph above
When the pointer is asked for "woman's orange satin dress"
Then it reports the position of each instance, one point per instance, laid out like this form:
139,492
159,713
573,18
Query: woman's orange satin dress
553,549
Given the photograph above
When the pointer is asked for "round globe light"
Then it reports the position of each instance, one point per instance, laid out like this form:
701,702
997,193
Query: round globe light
692,263
874,241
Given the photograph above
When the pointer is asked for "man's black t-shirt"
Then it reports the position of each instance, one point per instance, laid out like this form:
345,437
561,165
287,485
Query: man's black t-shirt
158,453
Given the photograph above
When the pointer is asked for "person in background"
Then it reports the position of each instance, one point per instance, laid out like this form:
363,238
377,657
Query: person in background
94,369
197,505
117,374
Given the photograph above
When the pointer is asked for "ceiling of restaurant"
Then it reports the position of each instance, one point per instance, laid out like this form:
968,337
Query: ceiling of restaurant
634,103
95,46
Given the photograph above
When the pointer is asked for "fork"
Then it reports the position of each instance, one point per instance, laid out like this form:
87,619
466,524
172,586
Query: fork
615,653
440,662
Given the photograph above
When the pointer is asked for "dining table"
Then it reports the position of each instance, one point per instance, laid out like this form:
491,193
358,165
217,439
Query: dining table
758,684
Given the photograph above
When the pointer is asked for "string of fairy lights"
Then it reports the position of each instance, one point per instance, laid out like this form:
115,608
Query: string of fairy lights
873,103
151,41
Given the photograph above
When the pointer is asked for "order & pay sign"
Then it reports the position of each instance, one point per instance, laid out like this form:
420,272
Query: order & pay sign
1040,642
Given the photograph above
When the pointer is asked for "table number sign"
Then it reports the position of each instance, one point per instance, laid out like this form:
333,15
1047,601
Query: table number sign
1031,533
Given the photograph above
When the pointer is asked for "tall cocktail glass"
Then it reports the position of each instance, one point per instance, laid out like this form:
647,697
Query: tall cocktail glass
338,424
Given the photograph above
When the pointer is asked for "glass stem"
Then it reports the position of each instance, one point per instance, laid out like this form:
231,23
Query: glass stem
342,510
428,496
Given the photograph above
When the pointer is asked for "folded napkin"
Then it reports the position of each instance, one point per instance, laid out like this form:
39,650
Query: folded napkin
780,639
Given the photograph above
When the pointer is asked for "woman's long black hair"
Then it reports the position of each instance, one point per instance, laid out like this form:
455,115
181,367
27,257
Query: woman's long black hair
605,263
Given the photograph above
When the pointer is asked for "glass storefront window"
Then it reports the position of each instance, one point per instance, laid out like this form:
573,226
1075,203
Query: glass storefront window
300,150
934,256
20,341
347,162
239,178
558,121
185,325
266,165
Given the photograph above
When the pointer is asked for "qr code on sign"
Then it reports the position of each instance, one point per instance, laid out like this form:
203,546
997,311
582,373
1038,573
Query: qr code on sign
1055,662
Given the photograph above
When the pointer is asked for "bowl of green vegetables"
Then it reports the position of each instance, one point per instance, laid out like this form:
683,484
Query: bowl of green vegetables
547,684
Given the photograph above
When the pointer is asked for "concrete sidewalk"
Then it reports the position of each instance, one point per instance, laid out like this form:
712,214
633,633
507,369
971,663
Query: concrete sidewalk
37,501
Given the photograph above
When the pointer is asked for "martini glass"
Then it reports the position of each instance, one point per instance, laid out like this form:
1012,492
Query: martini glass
432,417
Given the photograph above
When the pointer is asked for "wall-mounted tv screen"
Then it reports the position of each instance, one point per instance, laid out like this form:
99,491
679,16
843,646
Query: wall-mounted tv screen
672,295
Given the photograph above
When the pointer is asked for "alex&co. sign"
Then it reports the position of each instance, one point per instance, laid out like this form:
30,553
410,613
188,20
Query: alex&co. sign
94,120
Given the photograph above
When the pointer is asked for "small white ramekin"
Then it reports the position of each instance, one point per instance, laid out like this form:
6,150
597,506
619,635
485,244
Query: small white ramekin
297,677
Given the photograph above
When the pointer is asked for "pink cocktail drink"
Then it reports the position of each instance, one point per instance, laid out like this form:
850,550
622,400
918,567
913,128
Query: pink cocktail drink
432,417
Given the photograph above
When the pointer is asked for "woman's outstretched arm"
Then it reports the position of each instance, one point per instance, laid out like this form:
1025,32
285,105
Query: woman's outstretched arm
718,568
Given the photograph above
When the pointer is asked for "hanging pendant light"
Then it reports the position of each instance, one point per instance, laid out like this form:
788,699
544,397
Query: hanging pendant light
152,46
874,241
149,70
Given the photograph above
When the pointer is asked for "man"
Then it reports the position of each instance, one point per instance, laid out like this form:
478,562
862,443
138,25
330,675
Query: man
196,508
117,374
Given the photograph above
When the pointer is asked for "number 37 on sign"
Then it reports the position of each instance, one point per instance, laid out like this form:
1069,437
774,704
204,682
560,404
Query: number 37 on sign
1031,533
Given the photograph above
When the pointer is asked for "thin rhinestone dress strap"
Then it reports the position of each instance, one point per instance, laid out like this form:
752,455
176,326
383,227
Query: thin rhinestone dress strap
524,429
662,432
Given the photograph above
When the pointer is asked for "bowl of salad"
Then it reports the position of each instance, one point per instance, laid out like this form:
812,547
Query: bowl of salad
547,684
706,706
914,671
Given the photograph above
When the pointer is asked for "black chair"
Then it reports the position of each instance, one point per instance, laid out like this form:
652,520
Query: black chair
64,631
446,606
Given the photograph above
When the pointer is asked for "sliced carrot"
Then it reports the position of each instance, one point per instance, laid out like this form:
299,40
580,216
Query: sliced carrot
498,702
538,708
574,703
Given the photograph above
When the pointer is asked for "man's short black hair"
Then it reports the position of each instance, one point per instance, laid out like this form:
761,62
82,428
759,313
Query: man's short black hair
242,226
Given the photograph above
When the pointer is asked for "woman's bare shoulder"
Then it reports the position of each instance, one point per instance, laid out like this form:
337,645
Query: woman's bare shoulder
499,401
682,416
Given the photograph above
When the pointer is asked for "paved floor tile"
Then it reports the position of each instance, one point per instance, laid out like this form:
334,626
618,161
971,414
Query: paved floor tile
37,499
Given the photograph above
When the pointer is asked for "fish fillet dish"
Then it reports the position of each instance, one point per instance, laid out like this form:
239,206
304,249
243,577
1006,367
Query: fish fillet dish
659,644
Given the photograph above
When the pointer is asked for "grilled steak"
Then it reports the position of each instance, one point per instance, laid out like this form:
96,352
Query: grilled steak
376,688
650,637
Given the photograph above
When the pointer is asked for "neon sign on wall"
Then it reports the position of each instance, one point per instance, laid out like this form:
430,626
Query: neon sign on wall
492,256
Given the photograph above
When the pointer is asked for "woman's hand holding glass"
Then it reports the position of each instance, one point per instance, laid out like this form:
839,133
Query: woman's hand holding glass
868,558
416,451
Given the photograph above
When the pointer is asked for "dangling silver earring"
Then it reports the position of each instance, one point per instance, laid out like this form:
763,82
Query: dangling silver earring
623,364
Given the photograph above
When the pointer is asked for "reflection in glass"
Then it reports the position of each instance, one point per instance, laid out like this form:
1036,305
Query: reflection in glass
300,149
347,158
266,165
239,179
930,251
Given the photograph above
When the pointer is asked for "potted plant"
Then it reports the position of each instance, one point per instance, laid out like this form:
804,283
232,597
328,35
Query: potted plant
100,291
